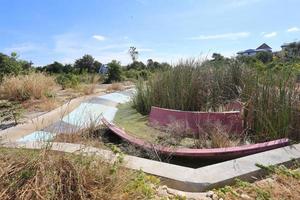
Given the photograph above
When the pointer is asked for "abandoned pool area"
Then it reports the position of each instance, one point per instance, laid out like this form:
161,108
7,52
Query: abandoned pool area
180,170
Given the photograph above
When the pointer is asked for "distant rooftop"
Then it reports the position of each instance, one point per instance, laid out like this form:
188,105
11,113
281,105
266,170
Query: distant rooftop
263,47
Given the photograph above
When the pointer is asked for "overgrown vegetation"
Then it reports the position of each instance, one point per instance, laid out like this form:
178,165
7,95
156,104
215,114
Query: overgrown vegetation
28,174
268,90
281,183
24,87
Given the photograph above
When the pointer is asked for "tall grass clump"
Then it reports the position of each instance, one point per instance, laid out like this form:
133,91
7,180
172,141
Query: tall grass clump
24,87
270,95
272,103
191,86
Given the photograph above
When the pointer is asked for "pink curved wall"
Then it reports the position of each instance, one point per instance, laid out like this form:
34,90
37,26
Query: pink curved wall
214,153
231,120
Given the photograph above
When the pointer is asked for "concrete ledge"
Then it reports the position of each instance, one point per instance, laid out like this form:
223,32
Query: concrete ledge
211,154
184,178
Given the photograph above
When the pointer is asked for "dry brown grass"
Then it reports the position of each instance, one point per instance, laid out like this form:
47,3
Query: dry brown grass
91,136
216,136
114,87
91,87
26,174
48,104
23,87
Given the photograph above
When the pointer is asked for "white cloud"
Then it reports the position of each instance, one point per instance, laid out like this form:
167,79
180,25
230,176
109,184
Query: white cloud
99,37
293,29
270,35
231,36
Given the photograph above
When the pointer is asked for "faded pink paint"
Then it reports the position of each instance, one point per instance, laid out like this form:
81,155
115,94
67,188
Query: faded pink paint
213,153
231,120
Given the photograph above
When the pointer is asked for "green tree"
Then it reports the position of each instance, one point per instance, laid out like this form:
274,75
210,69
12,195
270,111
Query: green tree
264,56
133,53
97,65
217,57
55,67
85,63
136,65
114,72
9,65
291,50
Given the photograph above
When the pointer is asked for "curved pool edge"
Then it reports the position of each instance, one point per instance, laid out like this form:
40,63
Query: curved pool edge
211,153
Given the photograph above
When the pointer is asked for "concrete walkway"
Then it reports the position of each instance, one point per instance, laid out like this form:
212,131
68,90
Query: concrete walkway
77,114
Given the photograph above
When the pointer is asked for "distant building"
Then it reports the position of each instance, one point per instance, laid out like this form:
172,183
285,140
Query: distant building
103,69
251,52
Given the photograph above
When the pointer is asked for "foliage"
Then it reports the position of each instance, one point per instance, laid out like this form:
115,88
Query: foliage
45,174
269,93
264,57
68,80
87,63
133,53
291,51
10,111
9,65
136,65
114,72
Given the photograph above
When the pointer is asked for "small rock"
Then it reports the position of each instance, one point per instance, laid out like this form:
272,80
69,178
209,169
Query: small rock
221,199
215,197
164,187
245,196
210,193
163,193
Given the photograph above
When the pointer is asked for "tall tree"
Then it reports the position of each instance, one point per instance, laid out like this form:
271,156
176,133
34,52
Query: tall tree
85,63
133,53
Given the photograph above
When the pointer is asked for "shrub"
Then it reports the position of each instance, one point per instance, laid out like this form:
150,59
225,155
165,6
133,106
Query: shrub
68,80
114,72
23,87
9,65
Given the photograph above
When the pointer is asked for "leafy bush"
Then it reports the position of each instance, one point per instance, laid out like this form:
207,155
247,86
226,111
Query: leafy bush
9,65
68,80
114,72
23,87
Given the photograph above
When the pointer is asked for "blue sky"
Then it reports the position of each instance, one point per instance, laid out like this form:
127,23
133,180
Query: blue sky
164,30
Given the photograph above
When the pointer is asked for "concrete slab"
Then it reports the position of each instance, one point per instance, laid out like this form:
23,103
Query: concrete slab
87,113
37,136
105,102
116,97
61,127
129,92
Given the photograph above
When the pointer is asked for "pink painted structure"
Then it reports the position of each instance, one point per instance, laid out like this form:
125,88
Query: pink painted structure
232,120
211,154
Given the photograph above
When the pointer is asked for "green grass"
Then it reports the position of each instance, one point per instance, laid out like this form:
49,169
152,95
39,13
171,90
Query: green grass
135,123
